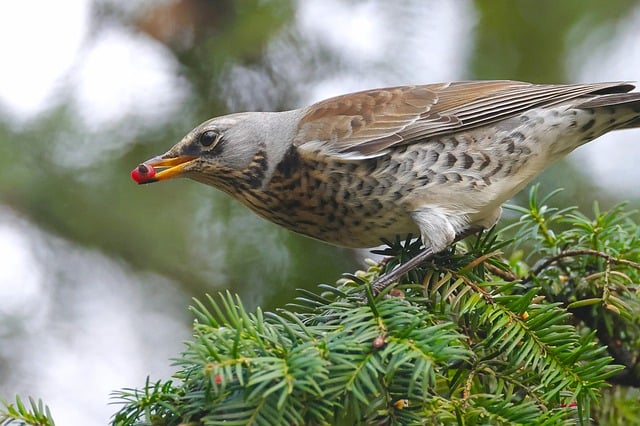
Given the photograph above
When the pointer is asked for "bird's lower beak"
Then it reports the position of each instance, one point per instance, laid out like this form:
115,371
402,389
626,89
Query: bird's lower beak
160,168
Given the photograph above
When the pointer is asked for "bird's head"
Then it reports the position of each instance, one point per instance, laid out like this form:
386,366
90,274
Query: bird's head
212,152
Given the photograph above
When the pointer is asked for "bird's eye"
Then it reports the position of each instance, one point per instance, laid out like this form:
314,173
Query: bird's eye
209,138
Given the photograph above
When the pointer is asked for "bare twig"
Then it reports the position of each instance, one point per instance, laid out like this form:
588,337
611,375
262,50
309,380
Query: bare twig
581,252
505,275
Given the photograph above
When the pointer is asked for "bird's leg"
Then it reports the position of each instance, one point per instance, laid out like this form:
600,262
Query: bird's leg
394,275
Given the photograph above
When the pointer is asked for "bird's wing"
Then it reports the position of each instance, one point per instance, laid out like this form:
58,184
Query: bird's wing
366,124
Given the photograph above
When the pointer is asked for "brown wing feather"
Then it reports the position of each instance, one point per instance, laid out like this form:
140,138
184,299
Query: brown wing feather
370,117
366,124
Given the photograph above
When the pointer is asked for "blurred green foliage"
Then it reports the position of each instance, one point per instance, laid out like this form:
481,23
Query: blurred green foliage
530,40
95,204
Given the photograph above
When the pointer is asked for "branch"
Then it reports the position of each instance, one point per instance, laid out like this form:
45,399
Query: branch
575,253
505,275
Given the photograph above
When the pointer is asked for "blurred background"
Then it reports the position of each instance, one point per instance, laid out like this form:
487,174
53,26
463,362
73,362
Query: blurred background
96,273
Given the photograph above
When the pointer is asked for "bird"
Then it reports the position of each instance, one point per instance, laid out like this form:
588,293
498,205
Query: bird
435,160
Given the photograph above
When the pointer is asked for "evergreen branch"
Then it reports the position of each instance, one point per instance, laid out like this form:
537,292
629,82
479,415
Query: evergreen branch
36,414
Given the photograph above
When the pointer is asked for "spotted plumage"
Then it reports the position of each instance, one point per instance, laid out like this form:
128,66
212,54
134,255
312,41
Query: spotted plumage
435,160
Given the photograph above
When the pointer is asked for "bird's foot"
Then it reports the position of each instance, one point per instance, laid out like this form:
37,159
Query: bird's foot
394,275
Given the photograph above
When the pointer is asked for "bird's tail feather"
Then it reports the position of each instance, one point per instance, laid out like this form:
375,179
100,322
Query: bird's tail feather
635,123
628,100
614,99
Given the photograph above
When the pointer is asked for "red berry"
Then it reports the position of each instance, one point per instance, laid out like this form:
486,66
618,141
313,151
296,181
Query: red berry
143,173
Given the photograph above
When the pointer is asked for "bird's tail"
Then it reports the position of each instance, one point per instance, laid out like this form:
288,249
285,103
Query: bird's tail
631,124
615,101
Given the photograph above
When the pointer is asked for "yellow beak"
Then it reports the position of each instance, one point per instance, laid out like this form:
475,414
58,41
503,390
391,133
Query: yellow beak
170,167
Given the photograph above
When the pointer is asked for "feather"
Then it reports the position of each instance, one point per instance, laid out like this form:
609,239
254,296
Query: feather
367,124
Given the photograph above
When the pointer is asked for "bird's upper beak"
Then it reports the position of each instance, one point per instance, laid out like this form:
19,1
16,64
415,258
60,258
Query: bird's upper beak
169,168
